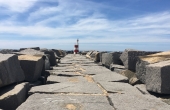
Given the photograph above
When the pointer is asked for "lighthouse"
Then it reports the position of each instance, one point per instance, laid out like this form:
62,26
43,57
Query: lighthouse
76,47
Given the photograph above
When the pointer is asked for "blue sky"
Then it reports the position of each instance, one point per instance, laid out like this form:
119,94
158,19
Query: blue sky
111,25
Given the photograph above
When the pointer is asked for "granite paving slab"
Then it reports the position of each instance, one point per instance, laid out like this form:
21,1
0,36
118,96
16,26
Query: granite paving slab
68,87
65,102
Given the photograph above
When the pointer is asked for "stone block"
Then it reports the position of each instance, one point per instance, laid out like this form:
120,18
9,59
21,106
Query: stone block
8,51
97,57
32,66
88,54
66,102
111,58
57,53
10,70
143,61
37,53
115,66
158,77
12,96
35,48
131,77
130,56
52,57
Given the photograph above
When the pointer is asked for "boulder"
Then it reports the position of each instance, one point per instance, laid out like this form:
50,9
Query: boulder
32,66
158,77
113,67
10,70
84,52
58,53
35,48
88,54
52,57
111,58
8,51
149,59
12,96
37,53
92,55
131,77
97,57
130,56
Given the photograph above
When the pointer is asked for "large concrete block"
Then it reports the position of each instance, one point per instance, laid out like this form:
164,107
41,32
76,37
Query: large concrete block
97,57
35,48
10,69
66,102
32,66
89,53
52,57
12,96
131,77
57,52
158,77
111,58
37,53
143,61
8,51
130,56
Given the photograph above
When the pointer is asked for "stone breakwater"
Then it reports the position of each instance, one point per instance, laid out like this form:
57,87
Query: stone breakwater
34,78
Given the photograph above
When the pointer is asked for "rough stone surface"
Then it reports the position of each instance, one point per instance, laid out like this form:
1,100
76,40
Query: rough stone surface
115,66
32,66
143,61
12,96
157,77
97,57
52,58
47,62
119,87
89,53
10,70
130,56
35,48
131,76
57,52
137,102
142,88
37,53
111,58
8,51
62,102
110,77
66,87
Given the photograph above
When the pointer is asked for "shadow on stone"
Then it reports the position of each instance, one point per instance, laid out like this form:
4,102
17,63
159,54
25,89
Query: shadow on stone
52,82
123,81
66,75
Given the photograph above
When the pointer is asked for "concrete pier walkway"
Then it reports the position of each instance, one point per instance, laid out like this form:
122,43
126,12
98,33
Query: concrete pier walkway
78,83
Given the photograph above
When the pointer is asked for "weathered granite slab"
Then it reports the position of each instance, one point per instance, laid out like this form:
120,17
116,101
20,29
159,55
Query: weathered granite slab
32,66
52,57
10,70
143,61
157,77
127,101
110,77
111,58
65,102
12,96
68,87
130,56
8,51
35,48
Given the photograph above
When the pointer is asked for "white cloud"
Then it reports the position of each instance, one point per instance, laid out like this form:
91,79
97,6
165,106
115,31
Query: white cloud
17,5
